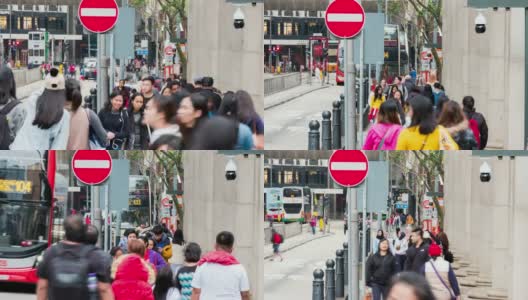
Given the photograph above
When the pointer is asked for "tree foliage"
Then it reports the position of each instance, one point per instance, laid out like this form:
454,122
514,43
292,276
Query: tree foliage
426,167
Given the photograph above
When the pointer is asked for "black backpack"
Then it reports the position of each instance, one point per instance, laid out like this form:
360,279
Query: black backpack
68,273
5,136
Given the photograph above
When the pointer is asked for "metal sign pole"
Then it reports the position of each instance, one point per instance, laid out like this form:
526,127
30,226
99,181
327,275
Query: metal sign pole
353,249
361,86
364,241
350,96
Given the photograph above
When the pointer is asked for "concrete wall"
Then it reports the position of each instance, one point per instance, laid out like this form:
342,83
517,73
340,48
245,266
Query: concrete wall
234,58
25,77
487,221
213,204
489,66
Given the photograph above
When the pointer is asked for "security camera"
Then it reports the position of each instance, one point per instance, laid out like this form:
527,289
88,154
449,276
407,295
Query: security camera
230,170
485,172
239,18
480,23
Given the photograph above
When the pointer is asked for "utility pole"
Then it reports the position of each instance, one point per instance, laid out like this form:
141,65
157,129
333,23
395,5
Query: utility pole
361,86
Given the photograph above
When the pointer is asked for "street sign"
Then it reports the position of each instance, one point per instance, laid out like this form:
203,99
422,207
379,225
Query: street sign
92,167
166,202
169,50
345,18
426,204
401,205
98,15
348,167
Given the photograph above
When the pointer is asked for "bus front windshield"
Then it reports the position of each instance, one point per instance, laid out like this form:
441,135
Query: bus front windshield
24,201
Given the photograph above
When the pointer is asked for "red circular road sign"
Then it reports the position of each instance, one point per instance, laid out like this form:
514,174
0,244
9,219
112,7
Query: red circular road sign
98,15
348,167
166,202
92,167
345,18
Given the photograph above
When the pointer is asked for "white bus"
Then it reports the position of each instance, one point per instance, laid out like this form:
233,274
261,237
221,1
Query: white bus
297,203
36,48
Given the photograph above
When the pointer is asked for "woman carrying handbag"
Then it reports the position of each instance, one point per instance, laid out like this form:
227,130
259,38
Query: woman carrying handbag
440,275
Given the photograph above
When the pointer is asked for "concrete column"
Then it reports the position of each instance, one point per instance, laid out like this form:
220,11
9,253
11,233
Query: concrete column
519,222
233,57
489,66
213,204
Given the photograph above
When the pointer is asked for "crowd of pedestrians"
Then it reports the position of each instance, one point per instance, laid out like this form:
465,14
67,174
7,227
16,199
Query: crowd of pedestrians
143,266
416,262
404,116
183,116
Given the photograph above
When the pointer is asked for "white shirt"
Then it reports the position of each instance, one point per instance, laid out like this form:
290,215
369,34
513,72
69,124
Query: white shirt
220,282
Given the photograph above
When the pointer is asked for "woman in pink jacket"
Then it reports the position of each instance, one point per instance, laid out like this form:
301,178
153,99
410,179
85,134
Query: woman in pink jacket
384,134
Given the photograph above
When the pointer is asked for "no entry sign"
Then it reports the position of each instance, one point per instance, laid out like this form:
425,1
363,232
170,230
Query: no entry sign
345,18
92,167
98,15
348,167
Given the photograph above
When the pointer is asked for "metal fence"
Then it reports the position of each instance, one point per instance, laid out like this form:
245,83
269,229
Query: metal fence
281,83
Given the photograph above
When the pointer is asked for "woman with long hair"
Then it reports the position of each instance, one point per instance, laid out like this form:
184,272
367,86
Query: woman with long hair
192,113
384,134
375,100
424,133
47,123
248,116
428,93
139,135
455,122
114,118
84,122
229,109
380,267
164,289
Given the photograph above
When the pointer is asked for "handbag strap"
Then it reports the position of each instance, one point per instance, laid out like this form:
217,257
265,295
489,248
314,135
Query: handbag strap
382,142
442,280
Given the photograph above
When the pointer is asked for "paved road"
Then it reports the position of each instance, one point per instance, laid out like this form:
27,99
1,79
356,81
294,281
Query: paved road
25,91
287,124
17,291
292,278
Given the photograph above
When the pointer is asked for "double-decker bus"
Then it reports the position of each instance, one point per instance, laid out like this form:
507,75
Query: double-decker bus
297,203
273,204
36,48
27,181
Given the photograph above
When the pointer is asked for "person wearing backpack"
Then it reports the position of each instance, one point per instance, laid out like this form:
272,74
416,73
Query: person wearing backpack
12,115
477,122
71,269
276,240
384,134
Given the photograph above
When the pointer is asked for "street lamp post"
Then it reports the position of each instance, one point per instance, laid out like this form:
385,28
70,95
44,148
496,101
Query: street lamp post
513,4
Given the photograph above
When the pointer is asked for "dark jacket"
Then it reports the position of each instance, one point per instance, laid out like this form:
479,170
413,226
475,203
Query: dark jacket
380,269
416,257
116,123
143,132
482,126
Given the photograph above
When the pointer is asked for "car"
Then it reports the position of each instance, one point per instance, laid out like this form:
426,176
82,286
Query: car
90,68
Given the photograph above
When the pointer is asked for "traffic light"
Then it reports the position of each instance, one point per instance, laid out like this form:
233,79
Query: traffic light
278,48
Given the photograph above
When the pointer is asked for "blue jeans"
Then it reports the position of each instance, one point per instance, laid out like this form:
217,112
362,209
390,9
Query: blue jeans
378,290
313,229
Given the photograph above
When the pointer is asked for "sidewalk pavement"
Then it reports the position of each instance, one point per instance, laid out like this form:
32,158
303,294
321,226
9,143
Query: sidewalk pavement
297,241
279,98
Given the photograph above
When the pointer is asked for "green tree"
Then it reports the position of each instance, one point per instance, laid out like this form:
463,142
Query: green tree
171,13
426,167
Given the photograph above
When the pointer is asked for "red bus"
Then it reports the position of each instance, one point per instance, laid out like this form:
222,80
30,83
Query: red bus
27,181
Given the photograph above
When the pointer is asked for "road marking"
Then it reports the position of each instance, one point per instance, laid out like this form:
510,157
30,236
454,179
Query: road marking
345,17
348,166
98,12
91,164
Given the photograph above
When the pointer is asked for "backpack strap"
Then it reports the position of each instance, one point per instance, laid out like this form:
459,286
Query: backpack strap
442,280
9,106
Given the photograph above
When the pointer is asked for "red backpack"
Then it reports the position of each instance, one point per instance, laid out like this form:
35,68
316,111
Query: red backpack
476,132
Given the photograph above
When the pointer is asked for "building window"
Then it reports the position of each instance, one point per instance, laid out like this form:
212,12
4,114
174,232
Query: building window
52,8
27,7
4,7
28,23
288,177
3,22
288,29
266,176
266,27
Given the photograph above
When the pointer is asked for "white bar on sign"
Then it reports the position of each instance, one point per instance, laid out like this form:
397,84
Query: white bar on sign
98,12
345,17
91,164
348,166
74,189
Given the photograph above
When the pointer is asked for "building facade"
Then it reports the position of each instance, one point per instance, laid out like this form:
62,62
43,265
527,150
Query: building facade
489,67
486,221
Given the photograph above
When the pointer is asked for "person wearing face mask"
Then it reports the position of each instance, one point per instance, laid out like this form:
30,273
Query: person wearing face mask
12,115
139,137
114,118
